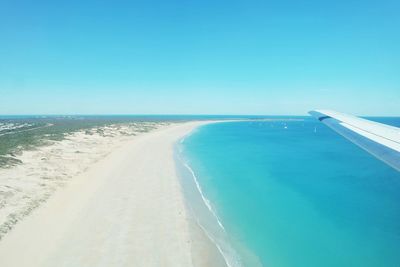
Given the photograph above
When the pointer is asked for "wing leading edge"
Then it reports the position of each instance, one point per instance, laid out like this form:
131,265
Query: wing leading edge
381,140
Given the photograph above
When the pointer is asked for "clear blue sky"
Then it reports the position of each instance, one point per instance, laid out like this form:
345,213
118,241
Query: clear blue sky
199,57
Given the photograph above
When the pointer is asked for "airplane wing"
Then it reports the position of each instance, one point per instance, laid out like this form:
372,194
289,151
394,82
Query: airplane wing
381,140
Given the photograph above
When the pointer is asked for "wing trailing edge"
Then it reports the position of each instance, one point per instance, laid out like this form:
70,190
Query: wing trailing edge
381,140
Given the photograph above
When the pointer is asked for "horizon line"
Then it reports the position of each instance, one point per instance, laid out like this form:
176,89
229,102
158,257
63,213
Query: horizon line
172,114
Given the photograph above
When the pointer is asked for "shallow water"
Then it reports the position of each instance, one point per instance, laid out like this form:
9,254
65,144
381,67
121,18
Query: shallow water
294,193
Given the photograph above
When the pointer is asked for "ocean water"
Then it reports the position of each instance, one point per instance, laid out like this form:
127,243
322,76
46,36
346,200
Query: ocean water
293,194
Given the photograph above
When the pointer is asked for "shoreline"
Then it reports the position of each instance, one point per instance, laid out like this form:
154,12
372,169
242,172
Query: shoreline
115,213
205,213
201,212
204,219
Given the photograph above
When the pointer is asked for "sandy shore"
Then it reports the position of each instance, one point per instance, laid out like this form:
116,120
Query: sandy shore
126,209
46,168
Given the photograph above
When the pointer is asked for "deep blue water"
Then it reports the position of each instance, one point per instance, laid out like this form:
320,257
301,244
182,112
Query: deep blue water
296,194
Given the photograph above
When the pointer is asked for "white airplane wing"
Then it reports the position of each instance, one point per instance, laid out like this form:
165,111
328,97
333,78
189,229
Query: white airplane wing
381,140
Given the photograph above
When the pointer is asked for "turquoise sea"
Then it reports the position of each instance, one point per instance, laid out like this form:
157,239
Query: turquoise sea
292,193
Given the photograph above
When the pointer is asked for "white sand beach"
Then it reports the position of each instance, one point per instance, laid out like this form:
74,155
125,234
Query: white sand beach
125,208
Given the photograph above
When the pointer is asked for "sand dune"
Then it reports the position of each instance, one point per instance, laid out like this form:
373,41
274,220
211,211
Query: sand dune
25,186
